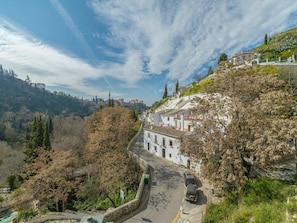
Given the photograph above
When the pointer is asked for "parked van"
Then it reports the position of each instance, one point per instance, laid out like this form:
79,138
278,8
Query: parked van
192,193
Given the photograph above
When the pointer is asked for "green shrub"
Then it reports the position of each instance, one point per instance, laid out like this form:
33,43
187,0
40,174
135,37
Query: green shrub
262,190
28,214
292,206
1,199
242,215
217,213
271,213
269,69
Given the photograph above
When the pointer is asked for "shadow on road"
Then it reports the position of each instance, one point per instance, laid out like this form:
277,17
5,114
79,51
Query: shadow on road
202,198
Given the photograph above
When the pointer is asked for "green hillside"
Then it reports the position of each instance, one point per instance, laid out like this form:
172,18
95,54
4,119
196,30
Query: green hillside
281,45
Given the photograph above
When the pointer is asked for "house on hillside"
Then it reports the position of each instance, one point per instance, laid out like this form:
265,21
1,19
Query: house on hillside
248,58
179,119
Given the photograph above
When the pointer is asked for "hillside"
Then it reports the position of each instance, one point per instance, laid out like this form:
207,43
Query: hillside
20,102
16,94
281,45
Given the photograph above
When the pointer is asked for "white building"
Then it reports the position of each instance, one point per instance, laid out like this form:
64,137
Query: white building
165,142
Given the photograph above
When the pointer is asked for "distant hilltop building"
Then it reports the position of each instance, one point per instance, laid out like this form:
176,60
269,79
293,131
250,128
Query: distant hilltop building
133,104
38,85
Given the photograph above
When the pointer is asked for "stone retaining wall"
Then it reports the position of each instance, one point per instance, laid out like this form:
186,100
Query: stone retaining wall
134,204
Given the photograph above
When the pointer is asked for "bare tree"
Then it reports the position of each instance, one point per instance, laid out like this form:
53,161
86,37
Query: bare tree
251,123
48,178
109,131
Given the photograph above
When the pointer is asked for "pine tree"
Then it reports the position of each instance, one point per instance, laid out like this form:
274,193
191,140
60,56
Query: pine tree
165,92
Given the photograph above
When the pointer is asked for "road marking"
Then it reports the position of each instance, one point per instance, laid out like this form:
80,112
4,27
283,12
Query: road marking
176,217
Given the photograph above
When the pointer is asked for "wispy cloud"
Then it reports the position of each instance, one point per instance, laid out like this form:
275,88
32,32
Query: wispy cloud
71,25
143,40
43,63
182,36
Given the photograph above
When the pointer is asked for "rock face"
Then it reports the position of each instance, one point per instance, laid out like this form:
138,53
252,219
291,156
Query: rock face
281,171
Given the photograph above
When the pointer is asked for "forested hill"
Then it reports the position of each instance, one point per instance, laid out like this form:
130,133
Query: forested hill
17,95
20,102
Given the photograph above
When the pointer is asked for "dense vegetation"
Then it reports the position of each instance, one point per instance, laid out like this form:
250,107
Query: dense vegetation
44,134
240,128
91,176
20,102
259,200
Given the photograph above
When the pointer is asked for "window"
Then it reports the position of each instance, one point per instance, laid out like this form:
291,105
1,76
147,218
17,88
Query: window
170,155
156,139
163,141
167,118
170,143
155,148
148,135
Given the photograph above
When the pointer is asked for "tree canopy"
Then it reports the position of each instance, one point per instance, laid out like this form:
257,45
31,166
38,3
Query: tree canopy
223,57
242,127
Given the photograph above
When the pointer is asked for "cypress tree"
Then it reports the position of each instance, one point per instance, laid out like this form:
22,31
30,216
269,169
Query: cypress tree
50,125
210,71
109,100
1,70
165,92
40,132
176,86
46,137
266,39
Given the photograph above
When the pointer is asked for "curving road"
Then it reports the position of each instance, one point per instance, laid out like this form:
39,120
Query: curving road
167,189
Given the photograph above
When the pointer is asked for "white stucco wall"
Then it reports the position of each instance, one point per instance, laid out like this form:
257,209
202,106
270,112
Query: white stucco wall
167,151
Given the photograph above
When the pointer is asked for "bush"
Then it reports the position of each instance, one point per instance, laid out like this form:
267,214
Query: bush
262,190
28,214
292,206
218,213
268,213
243,215
269,69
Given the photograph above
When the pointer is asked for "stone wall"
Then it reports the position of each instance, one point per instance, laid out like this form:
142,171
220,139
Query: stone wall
131,206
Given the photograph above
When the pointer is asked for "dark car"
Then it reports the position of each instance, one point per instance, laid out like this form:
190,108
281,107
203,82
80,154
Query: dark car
192,193
189,178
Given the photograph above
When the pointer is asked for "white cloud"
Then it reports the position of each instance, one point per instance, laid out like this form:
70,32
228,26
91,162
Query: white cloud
177,36
43,63
181,36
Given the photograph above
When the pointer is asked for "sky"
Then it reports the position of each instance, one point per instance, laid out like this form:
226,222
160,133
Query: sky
131,48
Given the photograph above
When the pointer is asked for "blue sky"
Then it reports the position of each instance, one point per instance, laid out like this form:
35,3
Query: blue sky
130,48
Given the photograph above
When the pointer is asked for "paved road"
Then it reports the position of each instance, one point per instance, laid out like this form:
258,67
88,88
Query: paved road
166,193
